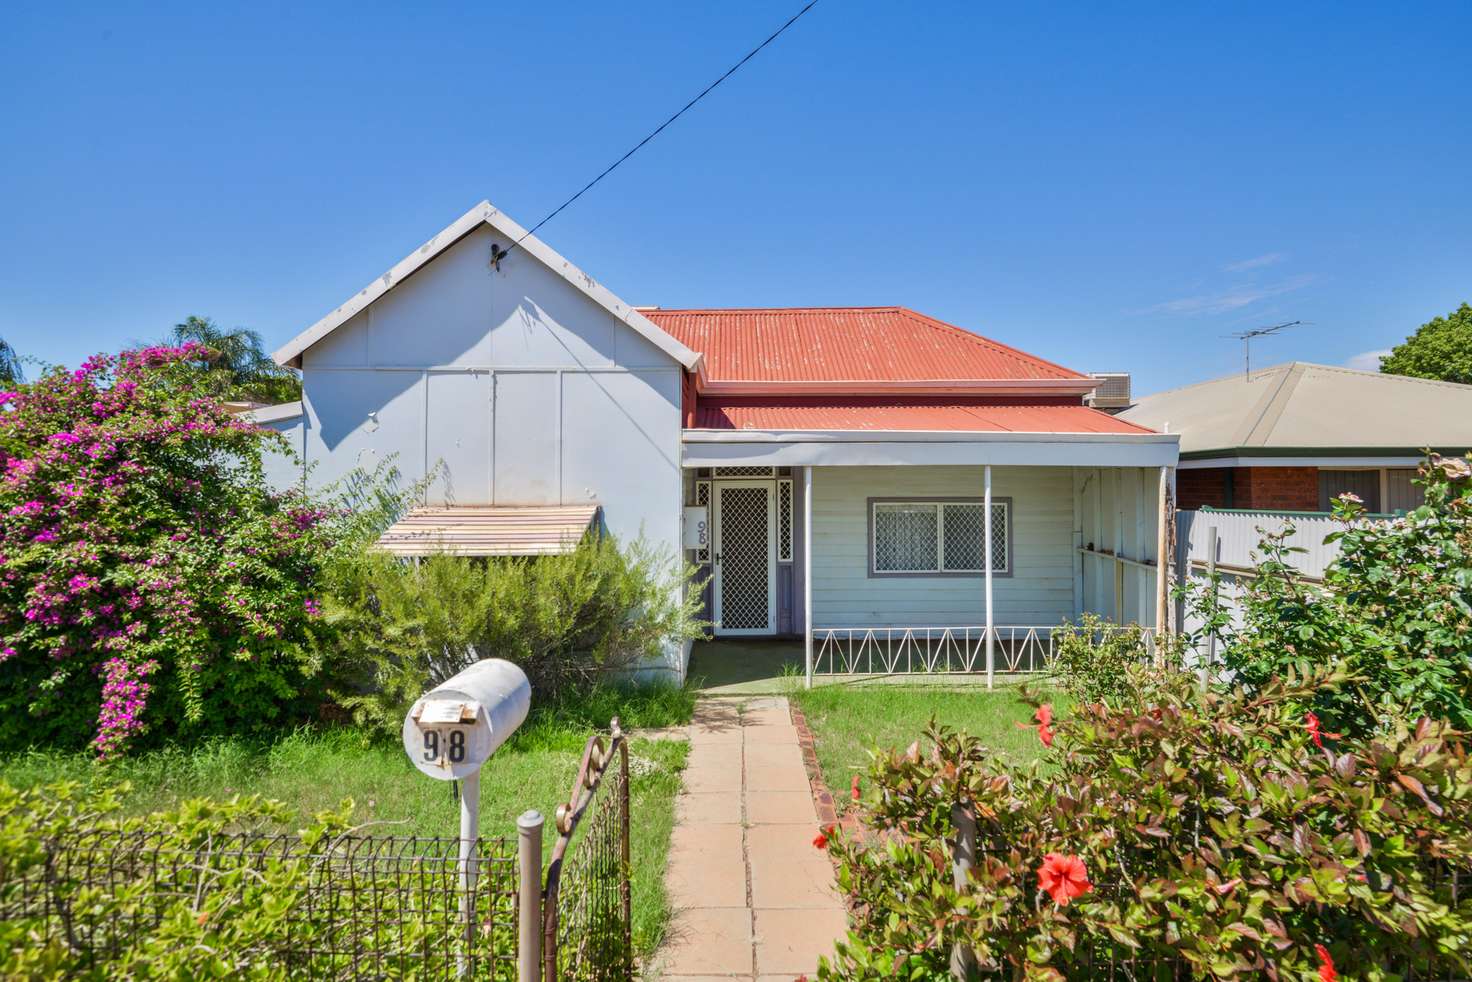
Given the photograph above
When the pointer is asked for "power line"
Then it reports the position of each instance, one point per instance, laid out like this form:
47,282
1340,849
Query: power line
659,129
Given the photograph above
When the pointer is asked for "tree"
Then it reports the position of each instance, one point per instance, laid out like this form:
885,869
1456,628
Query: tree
149,574
1440,349
9,364
236,363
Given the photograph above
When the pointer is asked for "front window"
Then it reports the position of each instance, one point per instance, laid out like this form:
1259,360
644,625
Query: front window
919,536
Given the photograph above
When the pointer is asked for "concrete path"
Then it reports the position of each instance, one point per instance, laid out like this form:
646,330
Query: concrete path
753,898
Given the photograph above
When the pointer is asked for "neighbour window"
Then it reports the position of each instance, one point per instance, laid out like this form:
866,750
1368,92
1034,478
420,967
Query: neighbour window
1365,484
937,536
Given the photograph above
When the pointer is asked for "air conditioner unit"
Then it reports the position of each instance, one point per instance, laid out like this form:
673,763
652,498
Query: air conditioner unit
1113,393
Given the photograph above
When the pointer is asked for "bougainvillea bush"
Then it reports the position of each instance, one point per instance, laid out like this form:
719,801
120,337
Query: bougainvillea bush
151,582
1395,608
1201,833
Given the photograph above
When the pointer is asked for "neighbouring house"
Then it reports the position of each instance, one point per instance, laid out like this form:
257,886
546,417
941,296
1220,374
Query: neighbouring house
1291,437
849,475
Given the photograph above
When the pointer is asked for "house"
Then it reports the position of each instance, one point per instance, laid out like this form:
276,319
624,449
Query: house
1291,437
858,470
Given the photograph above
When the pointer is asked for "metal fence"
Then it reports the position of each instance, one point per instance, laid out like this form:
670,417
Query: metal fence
1016,650
588,910
359,906
355,906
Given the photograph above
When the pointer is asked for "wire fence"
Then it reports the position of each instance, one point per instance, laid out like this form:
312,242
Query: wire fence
349,906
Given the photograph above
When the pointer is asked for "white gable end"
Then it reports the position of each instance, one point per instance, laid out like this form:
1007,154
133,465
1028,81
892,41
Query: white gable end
447,304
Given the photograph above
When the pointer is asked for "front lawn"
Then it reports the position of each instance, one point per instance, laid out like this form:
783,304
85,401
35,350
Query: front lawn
314,770
847,722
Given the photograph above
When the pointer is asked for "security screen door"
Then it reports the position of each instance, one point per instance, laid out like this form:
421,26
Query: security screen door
745,558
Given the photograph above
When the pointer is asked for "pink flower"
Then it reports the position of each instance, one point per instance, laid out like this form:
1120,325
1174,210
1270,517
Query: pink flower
65,439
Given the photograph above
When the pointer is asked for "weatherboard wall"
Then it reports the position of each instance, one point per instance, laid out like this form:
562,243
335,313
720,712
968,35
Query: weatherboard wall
1038,591
508,387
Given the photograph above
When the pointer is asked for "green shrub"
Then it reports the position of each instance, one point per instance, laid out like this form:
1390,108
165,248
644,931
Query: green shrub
1395,608
1095,660
571,621
1213,829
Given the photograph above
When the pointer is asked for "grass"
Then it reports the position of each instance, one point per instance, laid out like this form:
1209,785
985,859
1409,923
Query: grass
312,770
849,722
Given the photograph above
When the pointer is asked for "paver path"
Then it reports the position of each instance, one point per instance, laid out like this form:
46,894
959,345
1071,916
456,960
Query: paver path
752,897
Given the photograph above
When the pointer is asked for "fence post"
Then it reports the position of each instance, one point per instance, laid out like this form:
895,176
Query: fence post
1215,600
963,820
469,860
529,897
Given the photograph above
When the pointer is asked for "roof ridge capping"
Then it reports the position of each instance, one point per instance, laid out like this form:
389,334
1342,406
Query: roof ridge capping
936,323
485,213
1288,366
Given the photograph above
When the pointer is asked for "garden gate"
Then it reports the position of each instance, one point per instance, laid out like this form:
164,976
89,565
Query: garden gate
587,905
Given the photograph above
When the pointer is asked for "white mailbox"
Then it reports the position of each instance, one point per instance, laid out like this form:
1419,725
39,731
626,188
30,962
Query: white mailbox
451,730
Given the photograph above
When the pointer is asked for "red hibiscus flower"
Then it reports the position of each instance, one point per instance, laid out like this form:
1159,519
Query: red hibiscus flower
1326,964
1044,716
821,839
853,789
1063,877
1315,731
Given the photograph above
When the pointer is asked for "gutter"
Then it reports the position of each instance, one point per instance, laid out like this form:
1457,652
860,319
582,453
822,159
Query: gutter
920,436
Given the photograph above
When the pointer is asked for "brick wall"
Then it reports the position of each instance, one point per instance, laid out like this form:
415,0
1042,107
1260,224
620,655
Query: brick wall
1277,488
1200,487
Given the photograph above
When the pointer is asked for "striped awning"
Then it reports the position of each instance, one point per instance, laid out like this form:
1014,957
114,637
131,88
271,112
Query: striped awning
489,530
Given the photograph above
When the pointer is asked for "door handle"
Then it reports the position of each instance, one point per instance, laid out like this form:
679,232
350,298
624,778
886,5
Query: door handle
718,559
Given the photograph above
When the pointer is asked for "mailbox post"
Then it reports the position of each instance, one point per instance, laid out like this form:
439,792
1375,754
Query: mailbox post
450,732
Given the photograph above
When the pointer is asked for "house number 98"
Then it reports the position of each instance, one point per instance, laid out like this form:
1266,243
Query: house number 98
456,749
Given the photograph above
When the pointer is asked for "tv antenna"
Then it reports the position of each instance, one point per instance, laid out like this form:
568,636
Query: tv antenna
1257,332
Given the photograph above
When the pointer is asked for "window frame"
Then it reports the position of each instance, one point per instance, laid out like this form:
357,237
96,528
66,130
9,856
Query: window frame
872,563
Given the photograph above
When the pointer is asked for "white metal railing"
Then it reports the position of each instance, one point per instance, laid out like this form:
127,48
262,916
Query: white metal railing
1016,649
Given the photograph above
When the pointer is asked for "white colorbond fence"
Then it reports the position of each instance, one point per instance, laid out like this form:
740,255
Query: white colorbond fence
1237,537
1239,532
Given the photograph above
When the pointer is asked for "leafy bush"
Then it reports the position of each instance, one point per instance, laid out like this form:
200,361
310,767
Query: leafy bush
1095,660
1395,609
207,890
1213,831
148,573
568,620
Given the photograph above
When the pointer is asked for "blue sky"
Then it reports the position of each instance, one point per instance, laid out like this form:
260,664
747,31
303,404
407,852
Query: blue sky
1114,189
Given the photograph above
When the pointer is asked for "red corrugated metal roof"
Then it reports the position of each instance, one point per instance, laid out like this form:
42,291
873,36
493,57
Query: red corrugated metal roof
889,414
845,344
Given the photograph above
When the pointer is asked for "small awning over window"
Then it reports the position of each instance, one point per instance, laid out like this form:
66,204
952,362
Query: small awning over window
489,530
